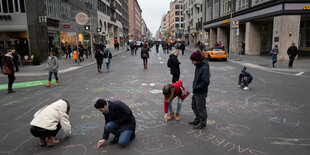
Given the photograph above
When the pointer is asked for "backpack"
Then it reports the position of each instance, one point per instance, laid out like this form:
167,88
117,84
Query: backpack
169,63
105,54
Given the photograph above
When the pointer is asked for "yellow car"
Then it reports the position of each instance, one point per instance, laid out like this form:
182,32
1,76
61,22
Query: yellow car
215,53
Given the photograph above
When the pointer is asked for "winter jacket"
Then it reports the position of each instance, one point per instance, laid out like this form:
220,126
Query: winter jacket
201,79
146,51
175,64
52,64
50,116
7,61
122,115
274,51
15,57
99,57
292,51
177,92
242,76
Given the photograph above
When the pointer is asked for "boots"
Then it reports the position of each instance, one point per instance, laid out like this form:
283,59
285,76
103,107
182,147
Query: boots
48,84
11,91
177,116
42,141
51,141
170,117
56,84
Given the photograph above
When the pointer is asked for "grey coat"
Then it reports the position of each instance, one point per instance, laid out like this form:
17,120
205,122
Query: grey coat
52,64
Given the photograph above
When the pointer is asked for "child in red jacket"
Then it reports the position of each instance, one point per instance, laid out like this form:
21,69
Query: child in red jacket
171,91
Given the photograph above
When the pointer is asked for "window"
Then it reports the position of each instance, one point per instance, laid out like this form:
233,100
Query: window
22,6
242,4
177,19
260,1
5,6
0,6
177,7
177,13
11,7
16,5
177,25
182,25
182,19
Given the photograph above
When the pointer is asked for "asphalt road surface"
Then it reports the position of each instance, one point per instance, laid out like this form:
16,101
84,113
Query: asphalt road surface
271,118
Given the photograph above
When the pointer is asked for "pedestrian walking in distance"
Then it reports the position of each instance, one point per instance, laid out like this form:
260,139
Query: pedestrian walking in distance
157,46
8,69
107,57
174,65
171,91
52,67
145,55
200,90
183,47
245,78
99,59
49,120
119,121
274,55
15,60
292,53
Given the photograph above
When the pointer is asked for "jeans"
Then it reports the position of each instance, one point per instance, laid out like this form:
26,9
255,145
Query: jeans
156,49
11,80
124,136
108,64
50,76
290,64
199,108
178,107
274,59
40,132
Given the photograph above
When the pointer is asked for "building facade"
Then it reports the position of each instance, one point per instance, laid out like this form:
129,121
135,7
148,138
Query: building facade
44,26
258,24
135,20
193,21
110,19
176,23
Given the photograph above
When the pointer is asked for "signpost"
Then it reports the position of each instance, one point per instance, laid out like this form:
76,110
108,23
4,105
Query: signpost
235,25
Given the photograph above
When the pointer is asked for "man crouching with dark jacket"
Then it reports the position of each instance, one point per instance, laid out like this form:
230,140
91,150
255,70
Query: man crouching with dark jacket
119,121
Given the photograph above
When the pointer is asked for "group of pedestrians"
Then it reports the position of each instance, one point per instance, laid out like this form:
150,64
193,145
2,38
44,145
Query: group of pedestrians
292,52
103,56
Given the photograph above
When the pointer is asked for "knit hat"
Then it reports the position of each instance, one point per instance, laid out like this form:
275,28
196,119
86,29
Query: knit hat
197,56
243,70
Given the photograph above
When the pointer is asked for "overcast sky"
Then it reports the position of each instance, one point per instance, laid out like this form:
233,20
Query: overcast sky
153,11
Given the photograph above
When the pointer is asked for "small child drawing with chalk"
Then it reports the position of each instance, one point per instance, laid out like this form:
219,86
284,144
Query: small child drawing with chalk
245,78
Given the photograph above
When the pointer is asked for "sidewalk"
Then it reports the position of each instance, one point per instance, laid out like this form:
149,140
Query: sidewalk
64,66
301,66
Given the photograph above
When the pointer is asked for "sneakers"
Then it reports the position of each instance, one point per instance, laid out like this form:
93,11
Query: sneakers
246,88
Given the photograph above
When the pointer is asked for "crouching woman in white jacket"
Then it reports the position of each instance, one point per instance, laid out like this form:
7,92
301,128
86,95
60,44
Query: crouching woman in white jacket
49,120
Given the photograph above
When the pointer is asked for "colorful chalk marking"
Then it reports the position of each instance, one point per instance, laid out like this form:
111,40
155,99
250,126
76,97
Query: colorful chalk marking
25,84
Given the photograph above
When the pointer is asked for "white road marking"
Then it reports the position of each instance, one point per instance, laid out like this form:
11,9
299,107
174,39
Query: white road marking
161,62
300,73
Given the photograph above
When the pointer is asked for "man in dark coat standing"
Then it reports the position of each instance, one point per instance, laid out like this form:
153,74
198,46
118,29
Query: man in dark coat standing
183,47
15,60
200,89
292,53
174,65
119,121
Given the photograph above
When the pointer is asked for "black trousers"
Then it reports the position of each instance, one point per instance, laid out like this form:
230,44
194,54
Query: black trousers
199,108
175,78
99,66
40,132
11,80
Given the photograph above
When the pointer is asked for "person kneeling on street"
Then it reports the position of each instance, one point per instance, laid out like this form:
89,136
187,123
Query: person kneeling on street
171,91
49,120
245,78
119,121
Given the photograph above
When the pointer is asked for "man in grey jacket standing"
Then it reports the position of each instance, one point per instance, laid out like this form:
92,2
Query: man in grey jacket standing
52,66
200,89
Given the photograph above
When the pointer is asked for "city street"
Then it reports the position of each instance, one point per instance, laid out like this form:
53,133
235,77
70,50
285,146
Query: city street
270,118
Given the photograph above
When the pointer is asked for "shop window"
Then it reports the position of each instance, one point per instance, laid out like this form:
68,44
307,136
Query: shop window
5,6
16,5
11,6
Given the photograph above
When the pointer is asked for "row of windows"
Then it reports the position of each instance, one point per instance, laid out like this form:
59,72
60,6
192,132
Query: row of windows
179,25
12,6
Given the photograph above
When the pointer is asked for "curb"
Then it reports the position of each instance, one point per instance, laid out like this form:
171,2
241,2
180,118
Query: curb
60,71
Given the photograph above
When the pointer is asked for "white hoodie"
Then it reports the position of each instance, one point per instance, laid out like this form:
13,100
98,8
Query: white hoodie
53,114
